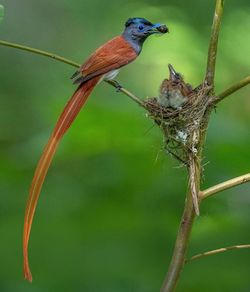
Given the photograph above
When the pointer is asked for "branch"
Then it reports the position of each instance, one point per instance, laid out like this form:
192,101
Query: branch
129,94
181,245
232,89
66,61
184,232
215,251
39,52
224,186
212,51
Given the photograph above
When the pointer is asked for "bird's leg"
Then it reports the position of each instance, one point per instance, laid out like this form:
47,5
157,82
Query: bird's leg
116,84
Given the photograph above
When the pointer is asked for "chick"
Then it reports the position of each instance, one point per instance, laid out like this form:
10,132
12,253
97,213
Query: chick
174,91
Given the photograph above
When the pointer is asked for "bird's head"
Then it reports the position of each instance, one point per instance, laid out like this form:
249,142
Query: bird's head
139,28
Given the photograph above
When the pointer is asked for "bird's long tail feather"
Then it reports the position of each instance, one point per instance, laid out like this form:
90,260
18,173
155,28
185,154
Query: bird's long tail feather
64,122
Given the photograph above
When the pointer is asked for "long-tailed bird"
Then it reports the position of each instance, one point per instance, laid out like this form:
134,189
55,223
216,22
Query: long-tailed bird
104,63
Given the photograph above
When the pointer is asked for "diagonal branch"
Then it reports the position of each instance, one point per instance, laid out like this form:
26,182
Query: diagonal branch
39,52
224,186
66,61
212,51
232,89
136,99
216,251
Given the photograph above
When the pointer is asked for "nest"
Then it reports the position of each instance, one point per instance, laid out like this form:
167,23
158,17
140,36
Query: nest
181,126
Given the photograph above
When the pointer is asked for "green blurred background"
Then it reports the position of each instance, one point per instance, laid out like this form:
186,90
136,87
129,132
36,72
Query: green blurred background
112,201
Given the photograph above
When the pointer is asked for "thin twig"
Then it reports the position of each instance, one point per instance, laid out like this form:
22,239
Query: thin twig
129,94
232,89
39,52
212,51
224,186
66,61
216,251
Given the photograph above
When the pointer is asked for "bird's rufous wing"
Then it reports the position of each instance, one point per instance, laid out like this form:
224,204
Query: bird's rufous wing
112,55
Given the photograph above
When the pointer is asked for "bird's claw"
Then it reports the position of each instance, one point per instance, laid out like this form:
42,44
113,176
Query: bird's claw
117,85
118,88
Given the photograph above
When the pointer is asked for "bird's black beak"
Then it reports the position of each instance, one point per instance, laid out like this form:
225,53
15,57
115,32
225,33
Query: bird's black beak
158,28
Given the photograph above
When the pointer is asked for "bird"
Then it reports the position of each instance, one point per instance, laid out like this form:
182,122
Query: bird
103,64
174,92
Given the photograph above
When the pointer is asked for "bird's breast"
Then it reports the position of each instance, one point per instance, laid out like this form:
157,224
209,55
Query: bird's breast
176,98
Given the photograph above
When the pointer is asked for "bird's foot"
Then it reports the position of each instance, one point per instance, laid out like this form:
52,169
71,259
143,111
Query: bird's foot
116,84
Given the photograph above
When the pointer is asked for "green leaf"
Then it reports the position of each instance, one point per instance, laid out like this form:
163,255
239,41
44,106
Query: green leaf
1,12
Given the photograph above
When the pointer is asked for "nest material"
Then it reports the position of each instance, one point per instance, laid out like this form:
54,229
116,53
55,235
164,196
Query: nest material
181,126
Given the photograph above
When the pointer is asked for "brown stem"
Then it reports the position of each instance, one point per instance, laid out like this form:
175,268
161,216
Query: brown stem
232,89
212,51
39,52
181,245
224,186
126,92
216,251
182,240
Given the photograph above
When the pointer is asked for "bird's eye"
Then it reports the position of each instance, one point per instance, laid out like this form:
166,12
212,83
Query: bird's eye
140,27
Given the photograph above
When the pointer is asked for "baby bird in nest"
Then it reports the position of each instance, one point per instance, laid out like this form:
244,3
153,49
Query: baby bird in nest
174,91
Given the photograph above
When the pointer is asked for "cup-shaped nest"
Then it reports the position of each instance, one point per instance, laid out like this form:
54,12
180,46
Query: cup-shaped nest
179,110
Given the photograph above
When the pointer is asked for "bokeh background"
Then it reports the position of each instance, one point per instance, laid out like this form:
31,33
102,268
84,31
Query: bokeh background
111,204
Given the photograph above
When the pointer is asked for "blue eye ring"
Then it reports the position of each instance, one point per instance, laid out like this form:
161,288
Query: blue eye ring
140,27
